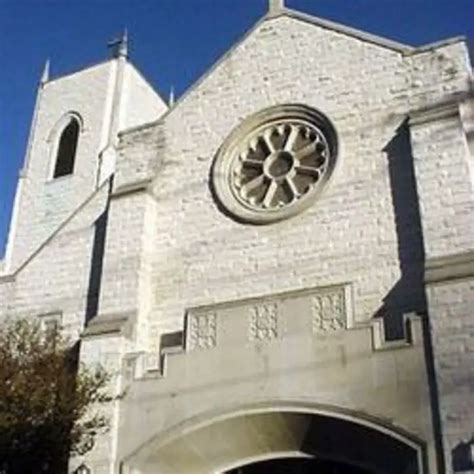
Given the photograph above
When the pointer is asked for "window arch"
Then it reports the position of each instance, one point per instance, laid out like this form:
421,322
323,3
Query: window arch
66,148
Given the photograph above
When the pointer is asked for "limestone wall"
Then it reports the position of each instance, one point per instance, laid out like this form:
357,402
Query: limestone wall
142,104
45,202
170,247
57,280
364,229
452,321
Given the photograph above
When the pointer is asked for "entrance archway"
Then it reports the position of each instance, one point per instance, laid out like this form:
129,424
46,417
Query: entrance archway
242,442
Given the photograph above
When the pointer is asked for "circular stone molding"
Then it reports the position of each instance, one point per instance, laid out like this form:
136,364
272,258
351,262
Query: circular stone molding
275,163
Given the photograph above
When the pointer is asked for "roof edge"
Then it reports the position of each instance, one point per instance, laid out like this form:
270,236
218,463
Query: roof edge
401,48
340,28
201,78
437,44
270,15
146,80
78,70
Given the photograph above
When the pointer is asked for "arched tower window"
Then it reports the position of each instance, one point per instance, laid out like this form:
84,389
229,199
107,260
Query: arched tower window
66,151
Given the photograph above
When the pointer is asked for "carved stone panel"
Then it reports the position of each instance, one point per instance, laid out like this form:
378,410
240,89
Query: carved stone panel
202,331
311,311
328,311
263,322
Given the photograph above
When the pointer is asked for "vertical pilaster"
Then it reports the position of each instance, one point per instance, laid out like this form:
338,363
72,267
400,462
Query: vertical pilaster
445,189
22,175
108,156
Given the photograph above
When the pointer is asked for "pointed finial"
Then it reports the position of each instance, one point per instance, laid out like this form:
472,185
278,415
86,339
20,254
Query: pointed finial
171,97
119,46
276,6
45,75
123,46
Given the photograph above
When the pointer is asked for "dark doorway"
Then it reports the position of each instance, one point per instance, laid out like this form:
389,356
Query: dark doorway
298,466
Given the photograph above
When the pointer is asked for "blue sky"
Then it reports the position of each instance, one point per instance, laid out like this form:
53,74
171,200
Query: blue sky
173,42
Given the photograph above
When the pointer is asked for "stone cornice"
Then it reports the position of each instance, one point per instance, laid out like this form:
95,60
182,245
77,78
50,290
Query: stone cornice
435,112
130,188
449,268
436,45
109,325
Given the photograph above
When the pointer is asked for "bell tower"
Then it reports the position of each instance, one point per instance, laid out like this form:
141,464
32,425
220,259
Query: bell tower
72,143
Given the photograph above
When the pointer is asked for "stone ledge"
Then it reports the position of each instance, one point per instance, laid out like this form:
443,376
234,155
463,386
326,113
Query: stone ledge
109,325
425,48
434,112
450,267
130,188
7,278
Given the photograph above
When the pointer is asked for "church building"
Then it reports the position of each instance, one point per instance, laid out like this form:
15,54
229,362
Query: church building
277,269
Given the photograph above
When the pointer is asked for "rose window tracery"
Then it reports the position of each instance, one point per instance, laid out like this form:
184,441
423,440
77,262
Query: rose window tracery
282,163
270,170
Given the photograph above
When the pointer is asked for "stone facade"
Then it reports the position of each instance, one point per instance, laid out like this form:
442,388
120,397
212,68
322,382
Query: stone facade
355,313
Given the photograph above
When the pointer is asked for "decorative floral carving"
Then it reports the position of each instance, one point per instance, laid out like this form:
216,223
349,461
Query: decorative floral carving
280,164
275,163
202,331
329,311
263,322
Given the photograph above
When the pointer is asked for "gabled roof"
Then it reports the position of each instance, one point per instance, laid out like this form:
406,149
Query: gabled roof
359,34
338,27
314,20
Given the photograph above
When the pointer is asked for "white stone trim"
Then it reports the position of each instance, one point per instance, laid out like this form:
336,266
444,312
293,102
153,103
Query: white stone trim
434,113
450,267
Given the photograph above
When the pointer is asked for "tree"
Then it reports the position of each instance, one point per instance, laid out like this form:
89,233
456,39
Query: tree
49,404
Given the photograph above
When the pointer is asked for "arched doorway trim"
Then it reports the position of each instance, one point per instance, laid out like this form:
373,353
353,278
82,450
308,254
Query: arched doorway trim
267,457
303,407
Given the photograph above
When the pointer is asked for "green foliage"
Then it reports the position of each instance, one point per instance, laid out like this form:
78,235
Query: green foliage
48,403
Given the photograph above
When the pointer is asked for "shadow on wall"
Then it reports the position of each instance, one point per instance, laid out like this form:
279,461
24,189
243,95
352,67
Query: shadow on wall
408,294
359,446
463,457
97,259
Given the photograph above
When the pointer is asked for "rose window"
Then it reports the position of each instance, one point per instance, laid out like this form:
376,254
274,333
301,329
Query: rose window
270,169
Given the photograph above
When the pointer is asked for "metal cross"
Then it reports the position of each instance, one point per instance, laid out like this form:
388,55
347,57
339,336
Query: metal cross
119,46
